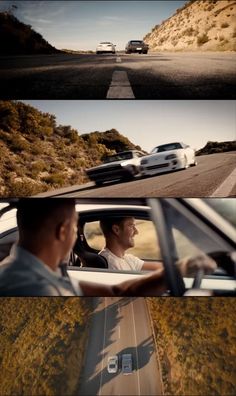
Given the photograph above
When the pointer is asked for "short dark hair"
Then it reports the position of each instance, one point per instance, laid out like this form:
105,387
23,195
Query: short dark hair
107,223
32,213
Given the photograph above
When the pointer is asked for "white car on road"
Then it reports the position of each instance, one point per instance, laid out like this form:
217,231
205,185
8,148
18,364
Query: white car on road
105,47
112,364
168,157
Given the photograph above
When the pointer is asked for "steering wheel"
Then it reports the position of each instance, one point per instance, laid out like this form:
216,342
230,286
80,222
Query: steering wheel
198,279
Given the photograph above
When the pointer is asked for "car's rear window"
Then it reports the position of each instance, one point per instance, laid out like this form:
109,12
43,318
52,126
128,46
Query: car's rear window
118,157
136,42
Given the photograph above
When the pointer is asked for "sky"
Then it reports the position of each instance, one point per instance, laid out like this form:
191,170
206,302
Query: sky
81,25
148,123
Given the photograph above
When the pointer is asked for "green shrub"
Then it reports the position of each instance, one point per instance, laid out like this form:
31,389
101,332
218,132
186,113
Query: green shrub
57,179
23,188
189,31
224,25
18,144
202,39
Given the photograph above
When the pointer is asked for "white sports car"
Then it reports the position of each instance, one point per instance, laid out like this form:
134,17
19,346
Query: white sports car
105,47
168,157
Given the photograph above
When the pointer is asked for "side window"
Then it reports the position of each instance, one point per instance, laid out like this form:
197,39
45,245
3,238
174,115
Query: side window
94,235
146,242
184,246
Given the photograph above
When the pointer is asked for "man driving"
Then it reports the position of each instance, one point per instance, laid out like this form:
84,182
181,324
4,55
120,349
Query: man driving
119,236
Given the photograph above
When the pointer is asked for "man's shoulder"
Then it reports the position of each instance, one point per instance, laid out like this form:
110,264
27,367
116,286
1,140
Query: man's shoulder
17,280
130,256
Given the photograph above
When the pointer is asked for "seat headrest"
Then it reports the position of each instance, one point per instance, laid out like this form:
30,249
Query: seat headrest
88,258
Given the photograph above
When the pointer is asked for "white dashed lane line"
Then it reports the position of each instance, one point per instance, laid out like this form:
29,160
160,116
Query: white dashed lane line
120,87
226,187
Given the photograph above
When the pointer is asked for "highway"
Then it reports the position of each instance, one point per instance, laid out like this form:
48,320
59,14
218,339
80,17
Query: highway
194,75
120,325
214,176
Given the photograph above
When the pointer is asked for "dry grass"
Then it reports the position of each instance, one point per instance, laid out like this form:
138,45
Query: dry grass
196,339
42,345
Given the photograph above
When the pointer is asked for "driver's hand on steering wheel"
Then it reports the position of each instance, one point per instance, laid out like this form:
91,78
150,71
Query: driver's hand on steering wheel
189,266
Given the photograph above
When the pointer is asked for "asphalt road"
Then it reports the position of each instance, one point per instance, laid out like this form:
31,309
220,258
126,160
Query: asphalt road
120,325
214,175
196,75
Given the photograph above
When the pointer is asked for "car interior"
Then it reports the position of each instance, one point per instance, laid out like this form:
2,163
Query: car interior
170,228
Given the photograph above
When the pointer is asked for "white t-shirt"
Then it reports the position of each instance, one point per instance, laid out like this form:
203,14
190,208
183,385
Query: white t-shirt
126,263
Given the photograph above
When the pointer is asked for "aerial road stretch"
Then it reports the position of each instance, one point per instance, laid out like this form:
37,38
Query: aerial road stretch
214,176
121,326
195,75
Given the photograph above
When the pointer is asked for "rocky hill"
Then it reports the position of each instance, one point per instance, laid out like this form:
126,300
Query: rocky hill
18,38
206,25
38,155
217,147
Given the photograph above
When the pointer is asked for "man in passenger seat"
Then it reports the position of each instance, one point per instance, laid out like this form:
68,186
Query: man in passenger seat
47,232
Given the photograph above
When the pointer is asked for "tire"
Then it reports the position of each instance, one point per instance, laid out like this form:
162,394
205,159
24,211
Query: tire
186,165
98,183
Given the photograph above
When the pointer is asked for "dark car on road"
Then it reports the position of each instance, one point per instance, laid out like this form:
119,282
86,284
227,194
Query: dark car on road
136,46
120,166
126,363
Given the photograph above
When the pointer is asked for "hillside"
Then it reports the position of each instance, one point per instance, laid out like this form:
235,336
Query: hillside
38,155
217,147
18,38
206,25
196,343
42,344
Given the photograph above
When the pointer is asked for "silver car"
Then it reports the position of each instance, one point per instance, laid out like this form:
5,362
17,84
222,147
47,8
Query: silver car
105,47
126,363
112,364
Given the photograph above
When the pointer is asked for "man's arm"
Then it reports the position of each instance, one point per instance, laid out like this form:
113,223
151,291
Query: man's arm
152,266
188,266
152,284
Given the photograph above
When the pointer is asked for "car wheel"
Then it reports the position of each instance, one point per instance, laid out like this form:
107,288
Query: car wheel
186,165
98,183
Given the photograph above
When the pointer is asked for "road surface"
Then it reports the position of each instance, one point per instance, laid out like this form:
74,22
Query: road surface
196,75
120,325
214,176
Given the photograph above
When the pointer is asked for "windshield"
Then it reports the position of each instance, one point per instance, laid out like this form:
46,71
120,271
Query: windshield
118,157
226,207
166,147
